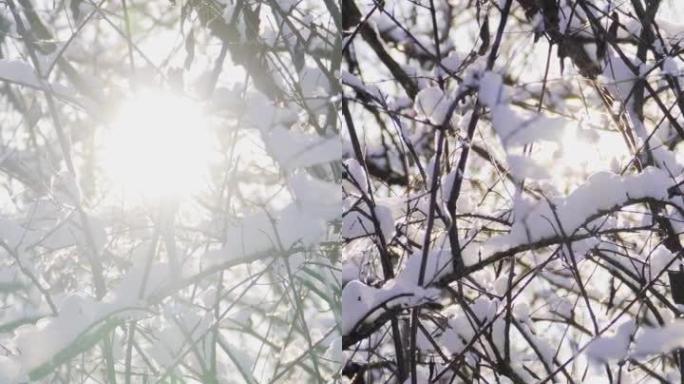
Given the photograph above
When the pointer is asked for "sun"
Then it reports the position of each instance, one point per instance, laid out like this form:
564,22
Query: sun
158,147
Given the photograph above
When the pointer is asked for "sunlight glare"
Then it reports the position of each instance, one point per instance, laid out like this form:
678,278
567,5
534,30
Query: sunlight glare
581,152
590,150
159,147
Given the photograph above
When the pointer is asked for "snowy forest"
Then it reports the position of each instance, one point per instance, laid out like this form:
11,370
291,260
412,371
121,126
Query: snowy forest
513,191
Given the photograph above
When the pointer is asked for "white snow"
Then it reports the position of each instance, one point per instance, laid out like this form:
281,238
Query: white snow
450,63
356,224
656,340
356,83
36,344
10,370
357,174
295,224
484,309
514,125
492,91
261,113
618,77
17,71
21,72
294,149
671,66
602,192
523,167
647,341
315,88
606,348
316,197
364,304
438,264
659,259
462,328
432,103
517,127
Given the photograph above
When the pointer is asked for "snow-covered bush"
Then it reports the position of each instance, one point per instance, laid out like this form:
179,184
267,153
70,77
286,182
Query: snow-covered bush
512,201
169,176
